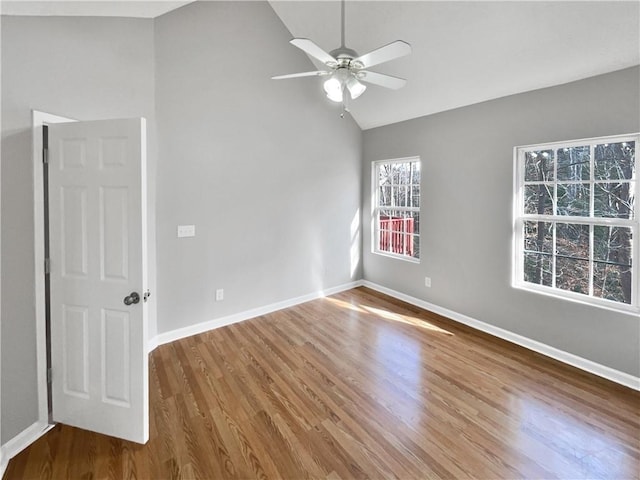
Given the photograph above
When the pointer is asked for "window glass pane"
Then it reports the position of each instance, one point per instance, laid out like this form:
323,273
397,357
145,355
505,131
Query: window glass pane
572,257
415,196
416,246
538,268
573,199
404,196
613,200
397,232
538,236
573,163
399,221
415,217
537,199
384,174
384,226
612,244
572,275
416,174
614,161
572,240
612,282
396,172
538,166
394,195
613,247
385,196
408,173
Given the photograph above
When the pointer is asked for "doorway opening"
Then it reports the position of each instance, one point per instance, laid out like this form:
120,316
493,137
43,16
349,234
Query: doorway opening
40,122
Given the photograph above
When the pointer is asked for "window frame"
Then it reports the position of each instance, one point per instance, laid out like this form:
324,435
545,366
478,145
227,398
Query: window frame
375,210
519,217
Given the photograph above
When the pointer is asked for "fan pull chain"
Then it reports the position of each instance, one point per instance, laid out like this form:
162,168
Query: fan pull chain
345,102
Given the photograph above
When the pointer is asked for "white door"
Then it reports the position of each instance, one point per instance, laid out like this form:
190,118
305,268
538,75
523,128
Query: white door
97,235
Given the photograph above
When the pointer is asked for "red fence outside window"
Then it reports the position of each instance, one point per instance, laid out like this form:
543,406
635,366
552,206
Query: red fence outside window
396,235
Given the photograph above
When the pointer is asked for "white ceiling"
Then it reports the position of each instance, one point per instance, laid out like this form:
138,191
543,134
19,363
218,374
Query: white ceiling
90,8
463,52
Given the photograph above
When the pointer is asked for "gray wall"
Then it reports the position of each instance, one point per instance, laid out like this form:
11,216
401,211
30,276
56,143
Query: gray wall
83,68
266,170
466,215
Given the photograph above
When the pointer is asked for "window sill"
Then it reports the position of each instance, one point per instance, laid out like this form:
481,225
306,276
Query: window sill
579,298
396,256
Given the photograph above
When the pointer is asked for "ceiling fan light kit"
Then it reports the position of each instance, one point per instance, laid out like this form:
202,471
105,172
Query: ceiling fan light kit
355,87
333,87
345,67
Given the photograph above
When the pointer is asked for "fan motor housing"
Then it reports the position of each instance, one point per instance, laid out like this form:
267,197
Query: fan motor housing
343,52
345,56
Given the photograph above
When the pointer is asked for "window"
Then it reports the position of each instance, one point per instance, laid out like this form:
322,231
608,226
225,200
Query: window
576,220
396,191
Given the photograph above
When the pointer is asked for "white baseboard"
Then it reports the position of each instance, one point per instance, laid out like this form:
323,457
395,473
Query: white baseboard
179,333
22,441
547,350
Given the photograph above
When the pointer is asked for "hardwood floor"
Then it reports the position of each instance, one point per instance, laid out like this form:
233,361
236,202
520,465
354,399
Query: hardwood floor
357,385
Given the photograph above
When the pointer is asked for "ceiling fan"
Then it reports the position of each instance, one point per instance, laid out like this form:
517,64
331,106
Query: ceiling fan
346,69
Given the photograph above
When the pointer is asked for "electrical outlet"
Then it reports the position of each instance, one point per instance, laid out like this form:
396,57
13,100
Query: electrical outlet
219,295
427,282
186,231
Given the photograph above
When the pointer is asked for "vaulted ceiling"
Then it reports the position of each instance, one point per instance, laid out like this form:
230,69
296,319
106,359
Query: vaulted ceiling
463,52
470,52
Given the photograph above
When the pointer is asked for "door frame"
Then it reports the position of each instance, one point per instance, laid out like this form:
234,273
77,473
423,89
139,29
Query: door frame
38,120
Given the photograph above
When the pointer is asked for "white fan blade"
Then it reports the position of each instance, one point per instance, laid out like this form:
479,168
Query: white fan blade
391,51
317,73
314,50
387,81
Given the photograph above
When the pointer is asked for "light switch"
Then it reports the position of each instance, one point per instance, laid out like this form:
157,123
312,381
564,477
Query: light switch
186,231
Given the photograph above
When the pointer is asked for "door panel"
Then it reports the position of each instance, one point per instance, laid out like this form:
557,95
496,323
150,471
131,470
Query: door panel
115,354
73,212
97,232
114,245
75,341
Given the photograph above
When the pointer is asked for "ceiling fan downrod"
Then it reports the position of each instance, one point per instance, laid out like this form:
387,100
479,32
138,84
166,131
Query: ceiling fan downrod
342,10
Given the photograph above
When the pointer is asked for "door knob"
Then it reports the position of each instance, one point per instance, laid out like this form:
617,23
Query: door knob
133,297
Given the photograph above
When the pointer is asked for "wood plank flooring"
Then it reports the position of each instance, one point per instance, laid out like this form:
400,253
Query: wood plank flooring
358,385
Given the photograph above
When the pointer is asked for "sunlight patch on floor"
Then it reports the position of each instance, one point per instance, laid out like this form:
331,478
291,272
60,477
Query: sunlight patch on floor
387,315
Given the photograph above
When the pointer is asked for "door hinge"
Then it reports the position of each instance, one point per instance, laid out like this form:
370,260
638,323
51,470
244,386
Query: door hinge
47,266
49,375
45,155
